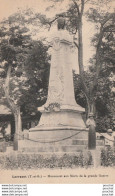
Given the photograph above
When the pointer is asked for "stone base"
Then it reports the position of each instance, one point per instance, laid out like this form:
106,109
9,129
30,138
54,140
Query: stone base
63,119
55,141
60,131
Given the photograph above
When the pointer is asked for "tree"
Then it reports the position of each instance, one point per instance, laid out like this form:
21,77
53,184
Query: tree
37,70
16,49
103,65
105,23
104,98
14,80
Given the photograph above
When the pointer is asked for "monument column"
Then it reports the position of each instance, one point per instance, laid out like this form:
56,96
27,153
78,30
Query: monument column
61,107
61,115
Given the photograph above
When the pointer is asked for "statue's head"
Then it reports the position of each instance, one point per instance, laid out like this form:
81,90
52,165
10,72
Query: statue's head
61,22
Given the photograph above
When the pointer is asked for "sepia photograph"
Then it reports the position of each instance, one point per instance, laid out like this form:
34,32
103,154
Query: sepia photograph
57,91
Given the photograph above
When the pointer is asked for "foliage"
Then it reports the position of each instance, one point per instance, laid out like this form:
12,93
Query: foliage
105,104
28,59
36,161
108,157
98,81
78,89
37,71
13,53
104,99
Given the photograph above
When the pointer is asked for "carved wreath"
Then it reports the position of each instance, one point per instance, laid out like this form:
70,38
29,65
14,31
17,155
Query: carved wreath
52,107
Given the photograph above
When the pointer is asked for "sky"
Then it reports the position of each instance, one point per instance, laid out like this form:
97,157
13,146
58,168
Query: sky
8,7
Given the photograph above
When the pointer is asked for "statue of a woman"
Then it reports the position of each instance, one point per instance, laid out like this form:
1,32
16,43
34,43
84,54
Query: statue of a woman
61,88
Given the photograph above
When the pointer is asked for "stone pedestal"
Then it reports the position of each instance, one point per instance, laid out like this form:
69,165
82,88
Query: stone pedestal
55,141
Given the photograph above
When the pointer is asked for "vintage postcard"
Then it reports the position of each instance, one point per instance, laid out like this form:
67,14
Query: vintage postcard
57,87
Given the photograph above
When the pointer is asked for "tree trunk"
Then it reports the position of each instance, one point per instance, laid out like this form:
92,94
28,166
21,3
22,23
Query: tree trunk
90,121
15,110
90,104
80,57
18,128
92,126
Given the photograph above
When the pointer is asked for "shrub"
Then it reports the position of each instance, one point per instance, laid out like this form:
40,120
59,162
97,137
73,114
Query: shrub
108,157
35,161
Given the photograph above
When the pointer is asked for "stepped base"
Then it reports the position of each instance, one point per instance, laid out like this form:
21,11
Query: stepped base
55,141
57,133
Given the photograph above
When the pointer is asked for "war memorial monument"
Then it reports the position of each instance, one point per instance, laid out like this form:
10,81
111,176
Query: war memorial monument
61,127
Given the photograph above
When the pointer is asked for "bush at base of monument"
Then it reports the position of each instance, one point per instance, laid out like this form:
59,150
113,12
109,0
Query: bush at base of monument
108,157
36,161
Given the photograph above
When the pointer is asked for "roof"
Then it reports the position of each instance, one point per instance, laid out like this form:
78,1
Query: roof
4,110
104,134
